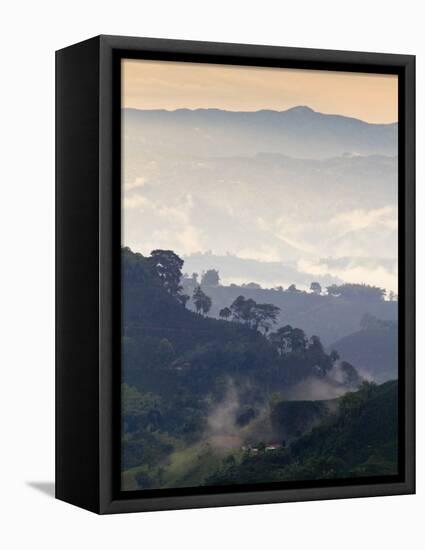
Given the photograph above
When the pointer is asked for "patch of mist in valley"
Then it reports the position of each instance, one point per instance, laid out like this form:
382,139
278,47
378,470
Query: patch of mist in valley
225,433
224,429
331,386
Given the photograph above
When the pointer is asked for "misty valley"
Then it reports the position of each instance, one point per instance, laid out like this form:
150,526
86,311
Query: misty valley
227,384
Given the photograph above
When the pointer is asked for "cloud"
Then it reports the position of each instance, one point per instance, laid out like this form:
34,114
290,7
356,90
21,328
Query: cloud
264,253
134,202
355,220
288,231
135,184
165,226
381,273
333,385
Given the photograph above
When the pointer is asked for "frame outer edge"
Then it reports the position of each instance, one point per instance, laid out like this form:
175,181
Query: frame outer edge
107,46
106,377
410,274
77,285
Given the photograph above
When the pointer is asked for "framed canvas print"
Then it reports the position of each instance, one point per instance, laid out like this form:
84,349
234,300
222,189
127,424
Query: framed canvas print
235,274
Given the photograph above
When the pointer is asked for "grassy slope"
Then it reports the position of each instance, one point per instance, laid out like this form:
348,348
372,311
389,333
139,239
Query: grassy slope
185,467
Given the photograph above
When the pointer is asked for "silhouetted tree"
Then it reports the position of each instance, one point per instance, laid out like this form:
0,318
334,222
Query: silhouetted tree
316,287
197,298
241,309
254,286
353,291
210,278
225,313
392,296
257,316
183,299
264,316
168,267
316,345
334,355
288,340
201,300
292,288
206,304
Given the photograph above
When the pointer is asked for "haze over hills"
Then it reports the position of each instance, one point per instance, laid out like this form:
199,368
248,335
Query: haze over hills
373,350
297,187
269,274
299,132
331,318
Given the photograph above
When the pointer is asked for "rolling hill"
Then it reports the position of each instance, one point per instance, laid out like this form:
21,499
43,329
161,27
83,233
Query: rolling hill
374,351
298,132
329,317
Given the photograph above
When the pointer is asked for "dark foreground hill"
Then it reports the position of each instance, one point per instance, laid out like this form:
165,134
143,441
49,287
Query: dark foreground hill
359,440
195,389
167,347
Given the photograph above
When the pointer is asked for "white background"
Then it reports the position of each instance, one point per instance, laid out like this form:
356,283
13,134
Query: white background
30,33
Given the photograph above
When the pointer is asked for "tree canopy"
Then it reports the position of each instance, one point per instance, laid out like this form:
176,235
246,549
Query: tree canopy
257,316
225,313
316,287
288,340
201,300
211,277
293,288
168,267
356,291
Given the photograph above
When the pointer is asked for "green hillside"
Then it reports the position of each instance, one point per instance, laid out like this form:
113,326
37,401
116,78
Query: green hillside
360,439
199,394
167,347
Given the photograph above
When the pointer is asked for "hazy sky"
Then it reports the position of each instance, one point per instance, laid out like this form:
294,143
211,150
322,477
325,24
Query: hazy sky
172,85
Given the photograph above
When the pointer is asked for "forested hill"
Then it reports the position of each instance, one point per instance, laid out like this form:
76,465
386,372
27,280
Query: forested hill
359,440
166,346
148,307
329,317
238,399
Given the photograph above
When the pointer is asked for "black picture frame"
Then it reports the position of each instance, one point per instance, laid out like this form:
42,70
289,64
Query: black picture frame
88,206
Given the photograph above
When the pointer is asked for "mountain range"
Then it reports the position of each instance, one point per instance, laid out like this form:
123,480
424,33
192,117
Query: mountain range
292,187
298,132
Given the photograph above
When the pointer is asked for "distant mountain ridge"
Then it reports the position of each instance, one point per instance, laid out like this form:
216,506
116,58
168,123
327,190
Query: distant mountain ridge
297,111
331,318
373,350
299,132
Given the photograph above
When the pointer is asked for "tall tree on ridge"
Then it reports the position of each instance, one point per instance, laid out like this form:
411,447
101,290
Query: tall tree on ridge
210,278
168,267
201,300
